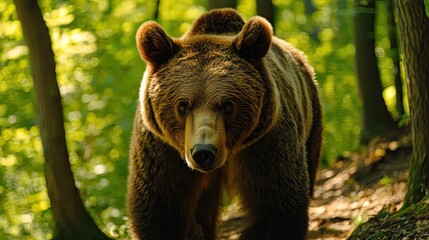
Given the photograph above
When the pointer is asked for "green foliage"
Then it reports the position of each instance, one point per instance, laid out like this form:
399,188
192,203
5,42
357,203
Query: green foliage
386,180
95,61
427,7
332,55
99,73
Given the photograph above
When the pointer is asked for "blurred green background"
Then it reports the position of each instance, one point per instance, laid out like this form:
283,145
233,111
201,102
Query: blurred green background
99,72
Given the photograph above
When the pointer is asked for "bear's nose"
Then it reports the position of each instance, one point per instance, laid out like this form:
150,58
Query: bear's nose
204,155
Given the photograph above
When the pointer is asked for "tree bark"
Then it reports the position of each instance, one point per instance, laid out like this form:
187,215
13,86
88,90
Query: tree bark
222,4
265,8
72,221
414,32
395,57
375,116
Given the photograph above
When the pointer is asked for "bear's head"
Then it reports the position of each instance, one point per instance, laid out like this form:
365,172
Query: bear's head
208,94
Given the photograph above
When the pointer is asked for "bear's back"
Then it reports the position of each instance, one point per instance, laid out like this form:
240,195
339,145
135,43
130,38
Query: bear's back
217,22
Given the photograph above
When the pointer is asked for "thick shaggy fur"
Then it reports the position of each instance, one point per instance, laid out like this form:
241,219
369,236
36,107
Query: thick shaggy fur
253,98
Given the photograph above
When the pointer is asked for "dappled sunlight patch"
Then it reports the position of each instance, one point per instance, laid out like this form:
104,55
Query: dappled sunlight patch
10,28
15,53
120,230
100,169
62,15
72,43
39,201
8,161
389,94
326,35
347,194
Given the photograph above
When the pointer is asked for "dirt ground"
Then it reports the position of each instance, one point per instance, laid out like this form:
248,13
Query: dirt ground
347,194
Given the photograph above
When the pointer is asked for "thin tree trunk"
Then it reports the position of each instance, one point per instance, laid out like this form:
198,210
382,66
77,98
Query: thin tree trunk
156,15
414,29
222,4
265,8
395,57
71,219
375,116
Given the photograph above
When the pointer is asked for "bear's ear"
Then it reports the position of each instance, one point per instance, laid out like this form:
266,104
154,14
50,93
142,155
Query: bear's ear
154,45
254,40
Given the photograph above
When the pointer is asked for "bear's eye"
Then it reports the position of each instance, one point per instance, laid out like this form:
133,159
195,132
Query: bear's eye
182,108
227,107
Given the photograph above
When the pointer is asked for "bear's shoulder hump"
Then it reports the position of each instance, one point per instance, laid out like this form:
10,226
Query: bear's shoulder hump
225,21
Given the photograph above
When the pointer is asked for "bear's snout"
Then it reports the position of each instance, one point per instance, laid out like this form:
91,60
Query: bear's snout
205,140
204,155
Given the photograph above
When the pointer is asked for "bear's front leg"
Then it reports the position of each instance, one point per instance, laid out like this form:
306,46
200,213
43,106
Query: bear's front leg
273,187
162,191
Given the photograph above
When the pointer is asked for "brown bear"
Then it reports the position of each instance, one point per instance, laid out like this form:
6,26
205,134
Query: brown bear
227,104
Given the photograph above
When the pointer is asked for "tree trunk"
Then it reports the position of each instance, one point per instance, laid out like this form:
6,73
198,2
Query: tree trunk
265,8
156,15
375,116
71,219
222,4
414,29
395,57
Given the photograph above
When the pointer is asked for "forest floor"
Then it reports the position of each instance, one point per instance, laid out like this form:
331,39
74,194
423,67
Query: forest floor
357,187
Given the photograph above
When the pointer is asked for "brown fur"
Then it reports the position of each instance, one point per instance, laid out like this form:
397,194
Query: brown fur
229,84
